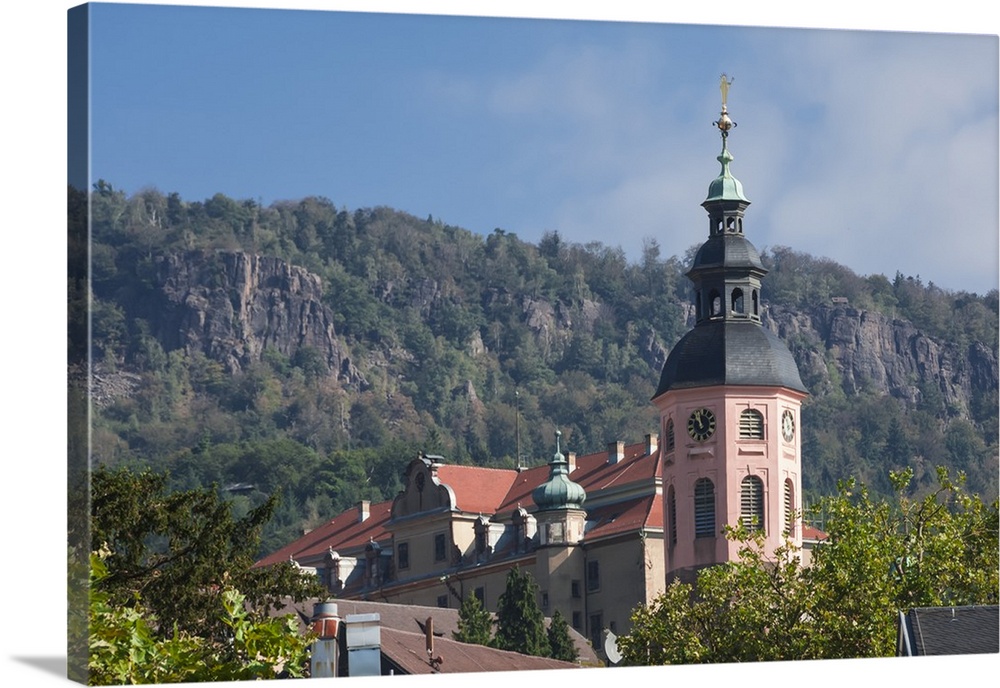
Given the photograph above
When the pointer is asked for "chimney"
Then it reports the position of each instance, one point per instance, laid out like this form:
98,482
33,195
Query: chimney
364,645
435,662
324,656
364,509
616,451
652,443
571,460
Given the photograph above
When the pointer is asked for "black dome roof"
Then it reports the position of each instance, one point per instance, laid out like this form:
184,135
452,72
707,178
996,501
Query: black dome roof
722,352
727,251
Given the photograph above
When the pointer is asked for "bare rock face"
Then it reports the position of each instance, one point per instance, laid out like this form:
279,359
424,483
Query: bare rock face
232,306
872,352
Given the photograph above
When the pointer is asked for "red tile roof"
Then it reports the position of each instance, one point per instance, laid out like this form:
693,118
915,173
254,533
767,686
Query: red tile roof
593,473
343,533
477,490
644,512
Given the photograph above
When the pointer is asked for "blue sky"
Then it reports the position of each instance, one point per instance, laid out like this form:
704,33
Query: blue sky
875,149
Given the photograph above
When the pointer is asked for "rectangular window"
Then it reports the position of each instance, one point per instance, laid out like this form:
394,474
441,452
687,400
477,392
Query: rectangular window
575,588
403,555
545,600
480,594
439,547
593,576
577,619
443,601
596,626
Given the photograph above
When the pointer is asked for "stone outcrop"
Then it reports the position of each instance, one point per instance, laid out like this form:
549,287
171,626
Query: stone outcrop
871,352
232,306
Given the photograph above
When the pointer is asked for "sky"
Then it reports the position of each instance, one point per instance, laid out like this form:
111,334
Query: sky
833,146
875,149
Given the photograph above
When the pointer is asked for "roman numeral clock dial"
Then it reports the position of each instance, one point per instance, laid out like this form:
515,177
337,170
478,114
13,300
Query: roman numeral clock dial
701,424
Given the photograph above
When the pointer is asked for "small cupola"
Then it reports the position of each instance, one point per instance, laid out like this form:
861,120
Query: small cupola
558,492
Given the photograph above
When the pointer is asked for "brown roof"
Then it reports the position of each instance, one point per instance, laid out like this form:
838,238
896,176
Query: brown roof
410,618
344,533
408,651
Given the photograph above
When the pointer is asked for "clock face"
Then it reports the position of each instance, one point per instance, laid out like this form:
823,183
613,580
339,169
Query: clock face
701,424
788,426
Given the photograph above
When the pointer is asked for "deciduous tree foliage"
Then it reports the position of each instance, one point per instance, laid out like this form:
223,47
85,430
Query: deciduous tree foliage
879,557
520,623
180,552
127,644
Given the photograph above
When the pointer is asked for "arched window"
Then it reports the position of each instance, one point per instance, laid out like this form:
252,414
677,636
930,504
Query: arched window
756,307
697,305
704,508
789,507
672,515
670,434
716,301
752,503
751,425
736,301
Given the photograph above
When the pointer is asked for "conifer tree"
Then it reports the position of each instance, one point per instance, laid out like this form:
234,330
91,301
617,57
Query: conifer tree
520,624
560,644
475,624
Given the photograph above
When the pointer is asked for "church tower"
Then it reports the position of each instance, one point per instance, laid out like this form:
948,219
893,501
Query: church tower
729,399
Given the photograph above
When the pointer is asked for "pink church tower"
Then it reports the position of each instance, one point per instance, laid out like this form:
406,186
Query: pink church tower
729,400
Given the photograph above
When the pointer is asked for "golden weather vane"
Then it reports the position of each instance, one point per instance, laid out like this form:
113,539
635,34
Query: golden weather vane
724,123
724,87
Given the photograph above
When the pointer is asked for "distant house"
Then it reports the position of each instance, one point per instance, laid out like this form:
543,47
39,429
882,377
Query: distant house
949,631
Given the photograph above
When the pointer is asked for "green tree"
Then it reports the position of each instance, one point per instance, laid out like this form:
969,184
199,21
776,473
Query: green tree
475,624
181,551
560,644
520,624
125,645
880,557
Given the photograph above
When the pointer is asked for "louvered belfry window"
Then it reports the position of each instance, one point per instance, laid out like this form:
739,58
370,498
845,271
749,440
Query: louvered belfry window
670,435
752,503
751,425
789,506
672,515
704,508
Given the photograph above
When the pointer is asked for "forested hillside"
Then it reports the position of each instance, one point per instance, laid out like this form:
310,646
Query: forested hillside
312,350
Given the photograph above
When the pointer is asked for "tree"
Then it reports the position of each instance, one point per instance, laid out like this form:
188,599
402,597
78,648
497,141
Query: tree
560,644
126,647
880,557
475,624
520,624
179,552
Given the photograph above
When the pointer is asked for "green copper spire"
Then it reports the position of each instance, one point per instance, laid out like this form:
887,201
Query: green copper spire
725,187
559,492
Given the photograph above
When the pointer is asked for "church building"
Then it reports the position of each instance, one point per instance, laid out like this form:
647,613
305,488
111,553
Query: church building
605,532
729,400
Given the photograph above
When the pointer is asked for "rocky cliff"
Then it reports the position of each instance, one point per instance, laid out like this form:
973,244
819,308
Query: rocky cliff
871,352
231,306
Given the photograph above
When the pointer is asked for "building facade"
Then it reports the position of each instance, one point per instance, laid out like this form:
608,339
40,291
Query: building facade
604,533
729,400
588,529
